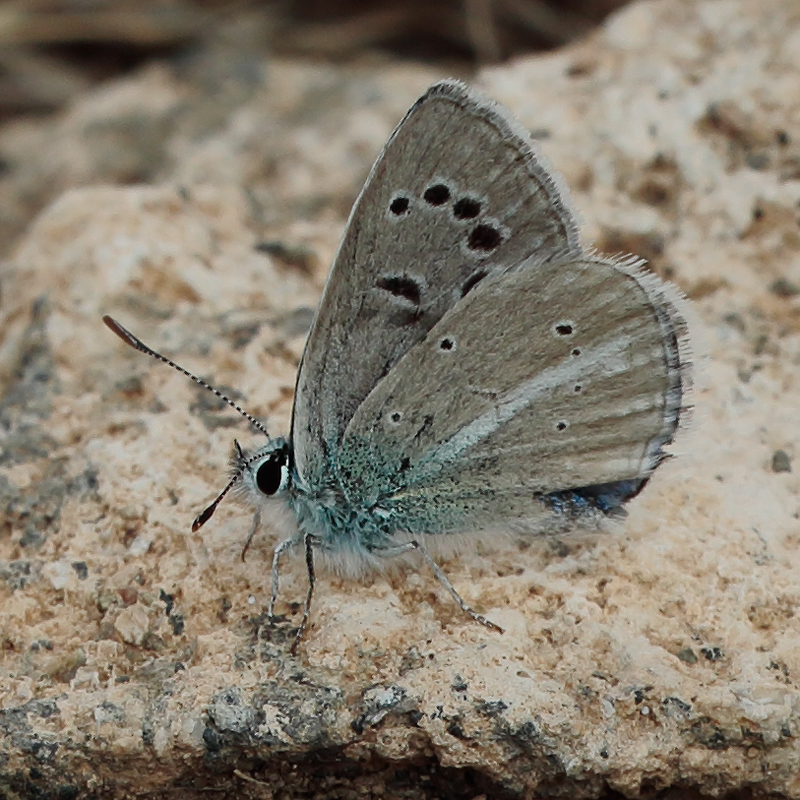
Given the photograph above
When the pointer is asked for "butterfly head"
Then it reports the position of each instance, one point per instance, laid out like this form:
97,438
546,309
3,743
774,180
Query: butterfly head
267,472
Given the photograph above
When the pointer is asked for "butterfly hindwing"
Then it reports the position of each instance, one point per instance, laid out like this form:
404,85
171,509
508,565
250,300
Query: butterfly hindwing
554,376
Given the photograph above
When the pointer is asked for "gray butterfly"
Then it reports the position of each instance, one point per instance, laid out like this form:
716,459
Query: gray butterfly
471,367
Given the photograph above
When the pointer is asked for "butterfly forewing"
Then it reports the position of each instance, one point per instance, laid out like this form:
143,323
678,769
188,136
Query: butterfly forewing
456,197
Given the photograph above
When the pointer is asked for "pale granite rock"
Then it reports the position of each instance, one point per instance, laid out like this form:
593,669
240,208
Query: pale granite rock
136,656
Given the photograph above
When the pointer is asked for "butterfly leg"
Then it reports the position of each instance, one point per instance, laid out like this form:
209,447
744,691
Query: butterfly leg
308,542
256,525
440,576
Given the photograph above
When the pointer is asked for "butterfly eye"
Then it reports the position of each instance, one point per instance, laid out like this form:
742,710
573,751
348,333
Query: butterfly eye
272,475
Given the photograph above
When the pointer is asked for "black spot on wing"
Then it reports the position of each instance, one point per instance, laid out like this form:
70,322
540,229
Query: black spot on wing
401,286
399,206
473,281
436,195
466,208
484,238
427,424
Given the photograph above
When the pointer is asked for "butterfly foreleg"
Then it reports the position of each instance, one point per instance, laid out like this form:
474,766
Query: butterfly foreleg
253,528
400,549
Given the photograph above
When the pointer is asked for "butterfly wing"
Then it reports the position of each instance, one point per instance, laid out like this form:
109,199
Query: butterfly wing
457,196
553,377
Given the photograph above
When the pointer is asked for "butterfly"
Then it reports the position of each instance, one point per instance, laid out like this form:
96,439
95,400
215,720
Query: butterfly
471,367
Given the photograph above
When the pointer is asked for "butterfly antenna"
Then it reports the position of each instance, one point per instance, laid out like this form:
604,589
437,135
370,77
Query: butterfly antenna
205,516
241,462
138,344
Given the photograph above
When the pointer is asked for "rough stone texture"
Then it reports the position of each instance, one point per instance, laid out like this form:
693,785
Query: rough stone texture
136,656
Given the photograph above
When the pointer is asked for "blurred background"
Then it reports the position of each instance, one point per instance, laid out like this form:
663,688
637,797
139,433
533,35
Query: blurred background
52,50
132,91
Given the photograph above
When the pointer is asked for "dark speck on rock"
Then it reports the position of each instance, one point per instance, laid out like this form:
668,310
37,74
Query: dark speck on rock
781,461
177,623
213,740
81,570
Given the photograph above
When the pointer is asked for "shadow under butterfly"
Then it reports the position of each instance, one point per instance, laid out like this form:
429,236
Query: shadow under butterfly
471,367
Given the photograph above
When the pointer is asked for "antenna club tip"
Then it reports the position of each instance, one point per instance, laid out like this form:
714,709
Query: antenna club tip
203,517
126,335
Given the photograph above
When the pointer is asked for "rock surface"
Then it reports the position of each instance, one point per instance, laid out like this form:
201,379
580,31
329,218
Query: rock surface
136,656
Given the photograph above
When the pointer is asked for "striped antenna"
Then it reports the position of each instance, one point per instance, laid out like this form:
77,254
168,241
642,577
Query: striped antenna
138,344
205,516
242,463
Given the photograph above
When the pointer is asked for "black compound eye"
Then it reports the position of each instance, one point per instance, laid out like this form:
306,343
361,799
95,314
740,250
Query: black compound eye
271,475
